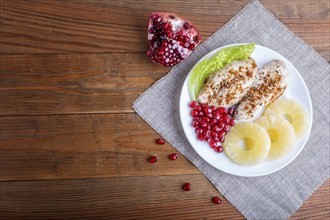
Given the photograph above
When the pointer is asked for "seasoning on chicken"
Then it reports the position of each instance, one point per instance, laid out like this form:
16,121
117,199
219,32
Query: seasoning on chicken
230,84
270,83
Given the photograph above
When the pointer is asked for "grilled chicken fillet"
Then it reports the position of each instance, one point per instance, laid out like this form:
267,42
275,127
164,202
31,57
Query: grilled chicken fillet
227,86
270,83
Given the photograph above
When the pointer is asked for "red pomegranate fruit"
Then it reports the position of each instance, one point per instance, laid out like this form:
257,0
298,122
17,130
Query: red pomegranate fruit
171,38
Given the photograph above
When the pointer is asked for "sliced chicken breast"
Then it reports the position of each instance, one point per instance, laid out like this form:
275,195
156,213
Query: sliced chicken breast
270,83
227,86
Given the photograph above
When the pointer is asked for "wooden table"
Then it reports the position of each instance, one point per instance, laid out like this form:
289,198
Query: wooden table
71,145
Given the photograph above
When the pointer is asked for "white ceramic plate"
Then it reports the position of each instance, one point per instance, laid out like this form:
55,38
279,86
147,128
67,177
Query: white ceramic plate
297,90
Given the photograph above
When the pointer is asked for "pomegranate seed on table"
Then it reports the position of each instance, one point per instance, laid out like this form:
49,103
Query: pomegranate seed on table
153,159
186,186
160,141
174,156
216,200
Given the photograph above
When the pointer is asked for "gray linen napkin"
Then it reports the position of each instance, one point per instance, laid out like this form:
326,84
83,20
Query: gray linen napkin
274,196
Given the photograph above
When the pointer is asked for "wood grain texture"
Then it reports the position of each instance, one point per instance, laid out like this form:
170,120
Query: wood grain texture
151,197
158,197
83,146
71,146
120,26
45,84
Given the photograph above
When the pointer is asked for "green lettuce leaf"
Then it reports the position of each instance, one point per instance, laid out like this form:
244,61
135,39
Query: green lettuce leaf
208,66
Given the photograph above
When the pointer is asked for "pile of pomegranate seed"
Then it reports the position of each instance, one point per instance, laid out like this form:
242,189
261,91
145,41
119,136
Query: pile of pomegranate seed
212,124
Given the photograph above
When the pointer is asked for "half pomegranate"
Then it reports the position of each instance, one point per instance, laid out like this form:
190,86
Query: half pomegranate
171,38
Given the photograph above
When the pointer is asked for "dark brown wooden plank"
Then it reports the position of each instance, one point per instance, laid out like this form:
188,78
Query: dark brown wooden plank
73,83
83,146
317,206
157,197
118,26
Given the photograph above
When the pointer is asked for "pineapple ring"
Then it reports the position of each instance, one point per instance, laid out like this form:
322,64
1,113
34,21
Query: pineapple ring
281,133
247,144
292,111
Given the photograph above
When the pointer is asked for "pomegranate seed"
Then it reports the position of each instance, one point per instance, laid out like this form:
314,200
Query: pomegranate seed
226,128
214,134
206,109
194,112
216,139
191,46
221,133
213,108
152,30
219,149
207,133
160,141
221,110
153,159
232,122
216,129
217,115
201,137
173,156
202,124
186,186
196,118
201,113
199,130
210,115
195,124
222,139
207,139
221,124
213,121
186,25
198,108
206,119
216,200
226,119
193,104
213,144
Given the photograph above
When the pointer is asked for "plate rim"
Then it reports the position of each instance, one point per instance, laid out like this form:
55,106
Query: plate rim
306,136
